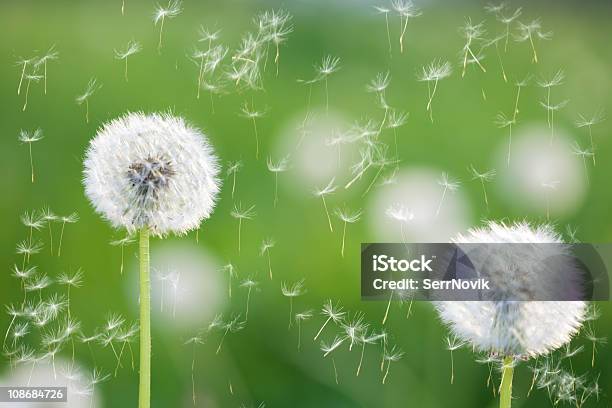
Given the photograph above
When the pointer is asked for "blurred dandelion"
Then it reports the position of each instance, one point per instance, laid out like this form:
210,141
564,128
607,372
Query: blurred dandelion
448,185
549,186
130,49
194,341
249,284
292,291
92,87
366,339
281,166
233,325
333,313
406,10
122,243
434,72
231,273
328,66
241,214
347,217
65,219
495,42
173,9
400,213
327,190
299,318
353,327
584,154
396,120
485,177
583,121
276,26
29,138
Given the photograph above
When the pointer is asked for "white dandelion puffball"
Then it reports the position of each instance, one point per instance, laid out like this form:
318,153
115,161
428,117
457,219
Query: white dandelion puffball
527,328
152,171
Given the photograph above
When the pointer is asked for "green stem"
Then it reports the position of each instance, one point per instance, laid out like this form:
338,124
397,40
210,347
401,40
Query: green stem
144,394
505,389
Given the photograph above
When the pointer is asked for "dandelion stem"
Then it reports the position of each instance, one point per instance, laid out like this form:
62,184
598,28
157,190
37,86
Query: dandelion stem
322,327
126,69
335,370
509,145
484,190
31,162
327,213
299,326
361,359
388,34
239,231
25,104
343,236
326,98
535,56
387,310
59,249
441,201
386,372
452,379
256,139
144,390
518,95
161,30
592,144
21,78
50,236
233,183
505,389
246,314
275,188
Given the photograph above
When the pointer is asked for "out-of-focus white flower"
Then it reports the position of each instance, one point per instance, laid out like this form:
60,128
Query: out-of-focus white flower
526,329
151,171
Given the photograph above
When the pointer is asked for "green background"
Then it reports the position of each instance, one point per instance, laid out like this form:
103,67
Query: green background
262,361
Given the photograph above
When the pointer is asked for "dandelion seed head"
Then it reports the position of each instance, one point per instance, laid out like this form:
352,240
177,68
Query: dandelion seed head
173,9
152,171
435,71
92,87
294,290
30,137
522,329
245,213
348,216
131,48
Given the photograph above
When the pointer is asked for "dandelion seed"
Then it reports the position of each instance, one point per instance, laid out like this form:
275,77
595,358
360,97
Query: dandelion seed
27,249
23,63
122,243
391,356
173,9
584,154
448,185
382,162
130,49
400,213
96,377
50,55
556,80
385,11
38,283
405,10
495,41
347,217
550,110
434,72
471,32
232,170
328,348
529,31
485,177
354,327
249,284
92,87
34,77
380,83
327,190
502,121
277,26
125,337
396,120
242,214
253,115
265,248
231,273
292,291
519,85
32,221
281,166
29,138
582,121
549,186
590,336
174,279
364,339
299,318
232,326
21,330
48,216
195,340
328,66
333,313
70,281
452,344
507,20
68,219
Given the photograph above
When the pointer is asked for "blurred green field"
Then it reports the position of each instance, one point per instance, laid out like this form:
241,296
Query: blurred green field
261,362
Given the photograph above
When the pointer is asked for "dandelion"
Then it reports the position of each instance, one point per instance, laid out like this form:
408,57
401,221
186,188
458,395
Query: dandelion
529,31
514,330
353,328
299,318
232,170
347,217
550,110
253,115
589,334
328,348
391,356
50,55
122,243
241,214
24,62
27,249
29,138
173,9
329,189
448,185
279,167
70,281
232,326
195,340
333,313
292,291
67,219
32,221
249,284
584,154
502,121
157,175
385,11
583,121
452,344
48,216
434,72
406,10
471,32
21,330
485,177
33,77
277,27
130,49
265,248
519,85
38,283
556,80
92,87
507,20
